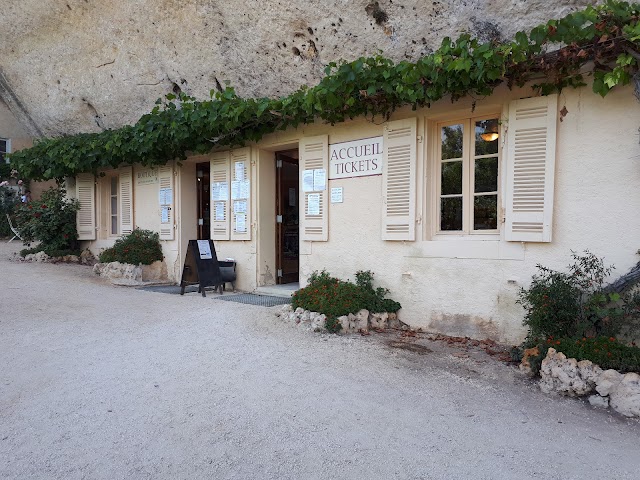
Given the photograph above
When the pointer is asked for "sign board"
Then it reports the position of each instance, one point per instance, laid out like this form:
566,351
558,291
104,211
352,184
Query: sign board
201,266
336,194
148,176
359,158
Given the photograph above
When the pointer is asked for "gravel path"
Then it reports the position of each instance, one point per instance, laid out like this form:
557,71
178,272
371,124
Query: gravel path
103,382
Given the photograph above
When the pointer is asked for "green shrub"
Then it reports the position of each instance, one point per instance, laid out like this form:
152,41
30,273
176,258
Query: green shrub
334,297
50,221
138,247
572,304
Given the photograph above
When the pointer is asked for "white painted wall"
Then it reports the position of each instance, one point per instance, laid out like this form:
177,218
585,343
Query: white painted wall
458,286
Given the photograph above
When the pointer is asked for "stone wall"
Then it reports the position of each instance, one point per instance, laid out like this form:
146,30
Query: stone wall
86,65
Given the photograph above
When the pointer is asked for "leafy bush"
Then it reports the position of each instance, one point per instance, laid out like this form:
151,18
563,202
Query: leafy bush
334,297
138,247
573,304
51,221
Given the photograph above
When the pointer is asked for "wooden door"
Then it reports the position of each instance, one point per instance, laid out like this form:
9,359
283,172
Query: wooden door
287,219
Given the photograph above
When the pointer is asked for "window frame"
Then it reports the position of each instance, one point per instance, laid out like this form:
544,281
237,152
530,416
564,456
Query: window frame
109,211
7,143
468,177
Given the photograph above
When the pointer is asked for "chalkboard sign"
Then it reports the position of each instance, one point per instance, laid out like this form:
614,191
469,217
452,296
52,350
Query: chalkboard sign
201,267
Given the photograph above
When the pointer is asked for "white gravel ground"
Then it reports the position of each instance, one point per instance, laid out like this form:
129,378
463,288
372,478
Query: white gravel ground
102,382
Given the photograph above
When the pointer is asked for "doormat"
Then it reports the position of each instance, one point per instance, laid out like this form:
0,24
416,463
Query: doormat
253,299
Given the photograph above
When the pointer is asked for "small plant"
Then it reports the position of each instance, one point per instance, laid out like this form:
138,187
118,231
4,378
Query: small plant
50,221
138,247
334,297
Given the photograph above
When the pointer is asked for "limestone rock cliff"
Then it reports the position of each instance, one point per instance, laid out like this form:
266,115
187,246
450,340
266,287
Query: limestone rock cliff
85,65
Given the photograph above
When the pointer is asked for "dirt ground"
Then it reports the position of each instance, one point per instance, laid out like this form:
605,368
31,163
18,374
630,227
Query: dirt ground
104,382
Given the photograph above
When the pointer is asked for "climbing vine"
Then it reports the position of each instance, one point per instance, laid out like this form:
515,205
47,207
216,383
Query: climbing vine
602,42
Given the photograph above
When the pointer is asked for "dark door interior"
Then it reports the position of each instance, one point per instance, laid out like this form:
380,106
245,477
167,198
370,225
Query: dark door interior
287,220
204,201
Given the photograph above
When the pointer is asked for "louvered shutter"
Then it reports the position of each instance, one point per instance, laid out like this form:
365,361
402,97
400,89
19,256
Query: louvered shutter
399,180
314,155
86,216
166,200
125,179
531,155
240,163
220,192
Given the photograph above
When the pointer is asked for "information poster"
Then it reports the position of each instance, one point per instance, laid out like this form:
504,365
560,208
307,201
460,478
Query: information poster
336,195
241,223
244,189
307,181
219,209
239,170
313,204
240,206
166,196
235,190
205,249
219,191
164,215
319,179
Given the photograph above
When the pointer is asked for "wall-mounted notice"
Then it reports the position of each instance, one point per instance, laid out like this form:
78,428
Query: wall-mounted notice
313,204
148,176
307,181
239,170
241,223
219,211
164,214
240,189
336,195
319,179
356,159
219,191
204,249
165,196
240,206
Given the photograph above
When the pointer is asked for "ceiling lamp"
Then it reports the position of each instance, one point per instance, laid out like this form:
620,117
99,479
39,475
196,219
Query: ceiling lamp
490,133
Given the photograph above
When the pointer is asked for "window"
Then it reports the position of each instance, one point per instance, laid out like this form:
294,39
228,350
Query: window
5,147
113,206
467,176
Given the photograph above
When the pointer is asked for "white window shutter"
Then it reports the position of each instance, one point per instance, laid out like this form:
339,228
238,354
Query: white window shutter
220,225
314,155
165,180
86,216
399,180
531,157
240,163
125,179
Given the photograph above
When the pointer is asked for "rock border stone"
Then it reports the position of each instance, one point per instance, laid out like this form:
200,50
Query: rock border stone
126,274
608,388
361,322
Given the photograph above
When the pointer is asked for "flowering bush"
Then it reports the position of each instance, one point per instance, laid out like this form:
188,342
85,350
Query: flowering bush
334,297
8,202
51,221
138,247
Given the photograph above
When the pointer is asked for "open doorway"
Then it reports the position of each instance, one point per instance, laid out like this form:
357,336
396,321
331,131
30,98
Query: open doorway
287,217
204,200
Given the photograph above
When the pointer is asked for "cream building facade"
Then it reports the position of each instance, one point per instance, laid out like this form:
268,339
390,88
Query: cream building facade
451,219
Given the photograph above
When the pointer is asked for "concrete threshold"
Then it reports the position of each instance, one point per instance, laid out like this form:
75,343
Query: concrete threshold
284,290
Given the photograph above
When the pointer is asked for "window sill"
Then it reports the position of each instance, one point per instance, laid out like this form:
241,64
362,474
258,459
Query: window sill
488,247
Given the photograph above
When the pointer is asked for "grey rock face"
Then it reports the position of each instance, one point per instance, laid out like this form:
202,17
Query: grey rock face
81,66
